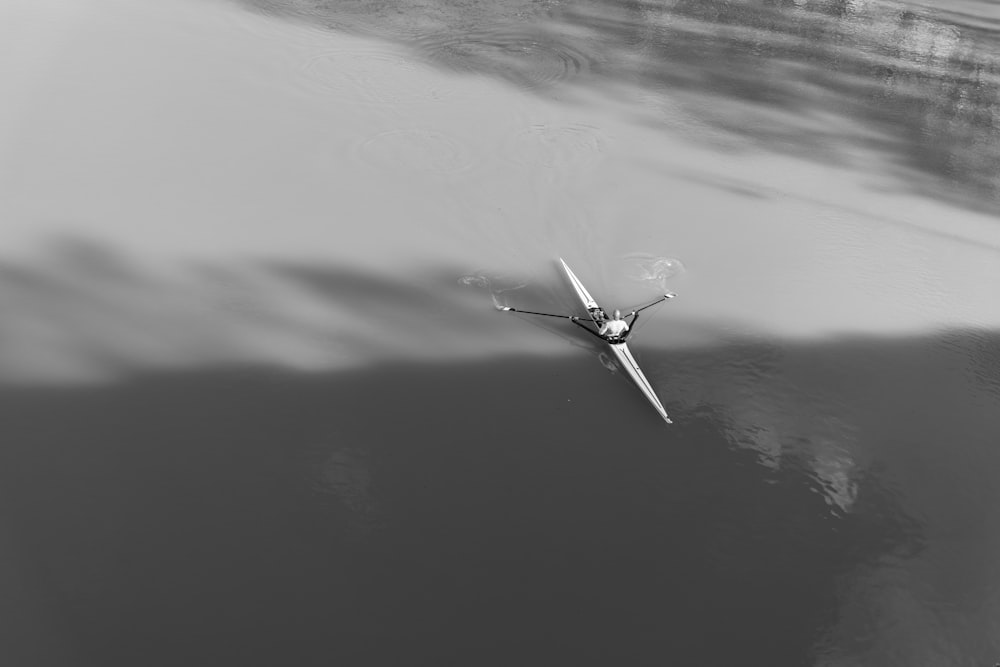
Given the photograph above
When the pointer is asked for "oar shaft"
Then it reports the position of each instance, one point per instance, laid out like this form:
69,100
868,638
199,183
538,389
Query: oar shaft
531,312
660,300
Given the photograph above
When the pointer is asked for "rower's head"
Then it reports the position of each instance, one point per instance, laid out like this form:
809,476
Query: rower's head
618,314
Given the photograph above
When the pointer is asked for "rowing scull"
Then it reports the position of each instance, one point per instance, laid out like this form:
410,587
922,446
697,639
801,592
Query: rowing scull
620,350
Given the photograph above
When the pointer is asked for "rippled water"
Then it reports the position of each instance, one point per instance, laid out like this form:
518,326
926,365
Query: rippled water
375,77
259,405
792,74
528,59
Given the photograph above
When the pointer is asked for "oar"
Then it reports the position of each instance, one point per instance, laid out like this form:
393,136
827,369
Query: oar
668,295
531,312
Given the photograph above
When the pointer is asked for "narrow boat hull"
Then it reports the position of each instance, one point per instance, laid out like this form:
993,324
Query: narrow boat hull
627,362
620,350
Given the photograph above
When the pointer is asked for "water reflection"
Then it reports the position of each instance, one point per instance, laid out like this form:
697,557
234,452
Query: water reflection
836,80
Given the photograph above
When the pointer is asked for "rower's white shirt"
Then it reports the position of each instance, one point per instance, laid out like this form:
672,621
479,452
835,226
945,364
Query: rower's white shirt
613,328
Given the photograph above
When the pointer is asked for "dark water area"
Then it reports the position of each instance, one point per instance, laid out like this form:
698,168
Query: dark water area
912,87
523,510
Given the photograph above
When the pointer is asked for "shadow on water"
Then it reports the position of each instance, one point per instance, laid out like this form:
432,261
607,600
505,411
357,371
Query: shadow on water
833,80
413,514
481,513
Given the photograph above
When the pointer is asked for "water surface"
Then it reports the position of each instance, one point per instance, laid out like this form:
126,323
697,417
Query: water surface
258,405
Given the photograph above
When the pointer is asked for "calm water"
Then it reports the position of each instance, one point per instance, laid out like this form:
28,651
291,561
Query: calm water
258,407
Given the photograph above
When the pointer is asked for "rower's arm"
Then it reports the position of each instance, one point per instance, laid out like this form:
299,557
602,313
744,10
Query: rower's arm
631,326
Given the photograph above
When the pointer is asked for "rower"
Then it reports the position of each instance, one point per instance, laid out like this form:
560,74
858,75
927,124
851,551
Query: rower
614,328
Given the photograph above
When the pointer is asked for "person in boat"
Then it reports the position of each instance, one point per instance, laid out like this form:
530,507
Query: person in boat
611,329
615,327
